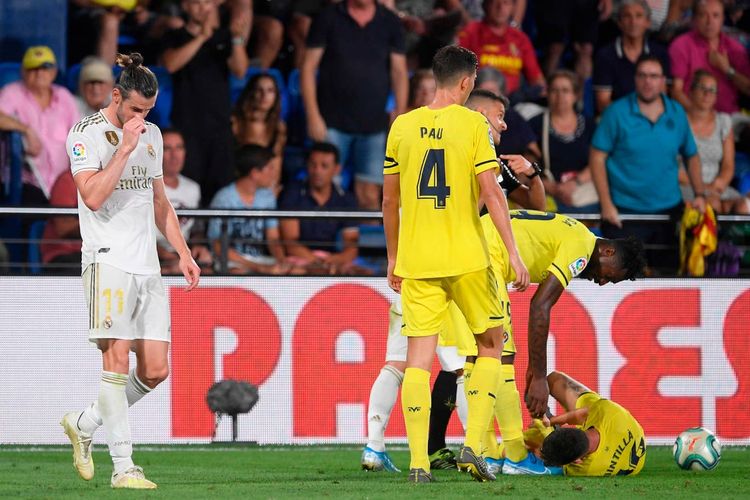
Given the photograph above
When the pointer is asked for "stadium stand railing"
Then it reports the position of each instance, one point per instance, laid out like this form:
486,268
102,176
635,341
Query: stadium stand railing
371,244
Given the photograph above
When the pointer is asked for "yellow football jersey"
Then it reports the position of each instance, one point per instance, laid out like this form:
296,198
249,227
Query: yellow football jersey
438,154
547,243
622,445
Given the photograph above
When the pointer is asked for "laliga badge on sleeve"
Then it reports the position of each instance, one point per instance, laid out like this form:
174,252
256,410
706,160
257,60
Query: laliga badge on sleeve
576,267
78,152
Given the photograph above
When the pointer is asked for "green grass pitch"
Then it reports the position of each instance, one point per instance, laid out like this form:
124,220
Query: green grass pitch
315,472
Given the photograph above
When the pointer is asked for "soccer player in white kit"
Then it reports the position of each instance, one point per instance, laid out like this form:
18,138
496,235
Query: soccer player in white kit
116,159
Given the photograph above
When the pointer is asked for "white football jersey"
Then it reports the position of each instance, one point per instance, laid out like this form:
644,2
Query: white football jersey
122,233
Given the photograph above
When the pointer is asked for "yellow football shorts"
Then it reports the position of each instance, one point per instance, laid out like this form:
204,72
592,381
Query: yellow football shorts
426,303
458,333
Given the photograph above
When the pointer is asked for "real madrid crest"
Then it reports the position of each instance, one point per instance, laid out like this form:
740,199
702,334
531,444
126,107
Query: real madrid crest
108,322
151,152
111,136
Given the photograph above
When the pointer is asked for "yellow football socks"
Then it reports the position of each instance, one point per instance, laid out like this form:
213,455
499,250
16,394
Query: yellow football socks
508,414
480,397
490,449
415,402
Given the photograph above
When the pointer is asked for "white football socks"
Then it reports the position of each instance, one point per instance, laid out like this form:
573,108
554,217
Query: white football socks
382,400
462,407
90,419
135,389
113,406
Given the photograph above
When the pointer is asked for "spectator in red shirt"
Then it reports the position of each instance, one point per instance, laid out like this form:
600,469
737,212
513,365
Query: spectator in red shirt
66,255
496,43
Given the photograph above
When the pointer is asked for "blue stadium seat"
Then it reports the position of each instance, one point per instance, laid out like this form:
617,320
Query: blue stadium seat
9,72
11,163
295,119
36,231
236,85
163,108
372,248
12,158
71,77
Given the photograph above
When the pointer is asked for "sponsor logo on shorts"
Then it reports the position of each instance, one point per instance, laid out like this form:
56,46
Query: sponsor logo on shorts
577,266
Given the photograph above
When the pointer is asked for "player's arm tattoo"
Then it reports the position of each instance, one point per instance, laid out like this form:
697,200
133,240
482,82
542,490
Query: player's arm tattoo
539,316
574,386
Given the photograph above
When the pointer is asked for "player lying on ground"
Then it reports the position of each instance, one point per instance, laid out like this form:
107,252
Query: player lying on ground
556,248
520,180
605,440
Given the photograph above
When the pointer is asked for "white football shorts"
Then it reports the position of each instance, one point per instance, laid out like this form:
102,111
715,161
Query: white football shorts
125,306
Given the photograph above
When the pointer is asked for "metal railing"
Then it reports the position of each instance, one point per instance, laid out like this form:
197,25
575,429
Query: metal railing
352,215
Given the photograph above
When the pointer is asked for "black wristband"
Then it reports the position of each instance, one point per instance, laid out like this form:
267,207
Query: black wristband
537,170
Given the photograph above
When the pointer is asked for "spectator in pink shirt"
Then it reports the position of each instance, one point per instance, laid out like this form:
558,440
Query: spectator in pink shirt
694,49
47,109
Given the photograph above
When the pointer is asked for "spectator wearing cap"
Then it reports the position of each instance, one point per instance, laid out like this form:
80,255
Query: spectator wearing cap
50,111
95,85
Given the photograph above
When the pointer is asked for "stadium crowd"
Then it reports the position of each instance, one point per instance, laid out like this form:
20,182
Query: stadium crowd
286,104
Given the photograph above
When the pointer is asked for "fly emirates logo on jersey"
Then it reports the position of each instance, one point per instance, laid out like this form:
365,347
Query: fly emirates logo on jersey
138,180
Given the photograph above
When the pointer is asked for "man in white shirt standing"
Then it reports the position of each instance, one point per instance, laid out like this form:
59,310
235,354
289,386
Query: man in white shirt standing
116,160
182,192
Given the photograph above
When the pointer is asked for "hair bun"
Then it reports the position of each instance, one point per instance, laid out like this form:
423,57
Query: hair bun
134,59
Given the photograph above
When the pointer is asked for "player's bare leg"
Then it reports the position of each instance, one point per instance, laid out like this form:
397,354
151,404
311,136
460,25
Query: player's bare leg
153,362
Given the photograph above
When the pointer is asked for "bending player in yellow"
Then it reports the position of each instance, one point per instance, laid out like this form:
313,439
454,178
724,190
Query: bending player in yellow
606,440
439,160
556,248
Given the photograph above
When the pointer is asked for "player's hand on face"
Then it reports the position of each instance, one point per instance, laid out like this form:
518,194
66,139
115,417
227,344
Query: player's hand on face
131,133
537,395
611,215
394,281
523,279
191,271
316,128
